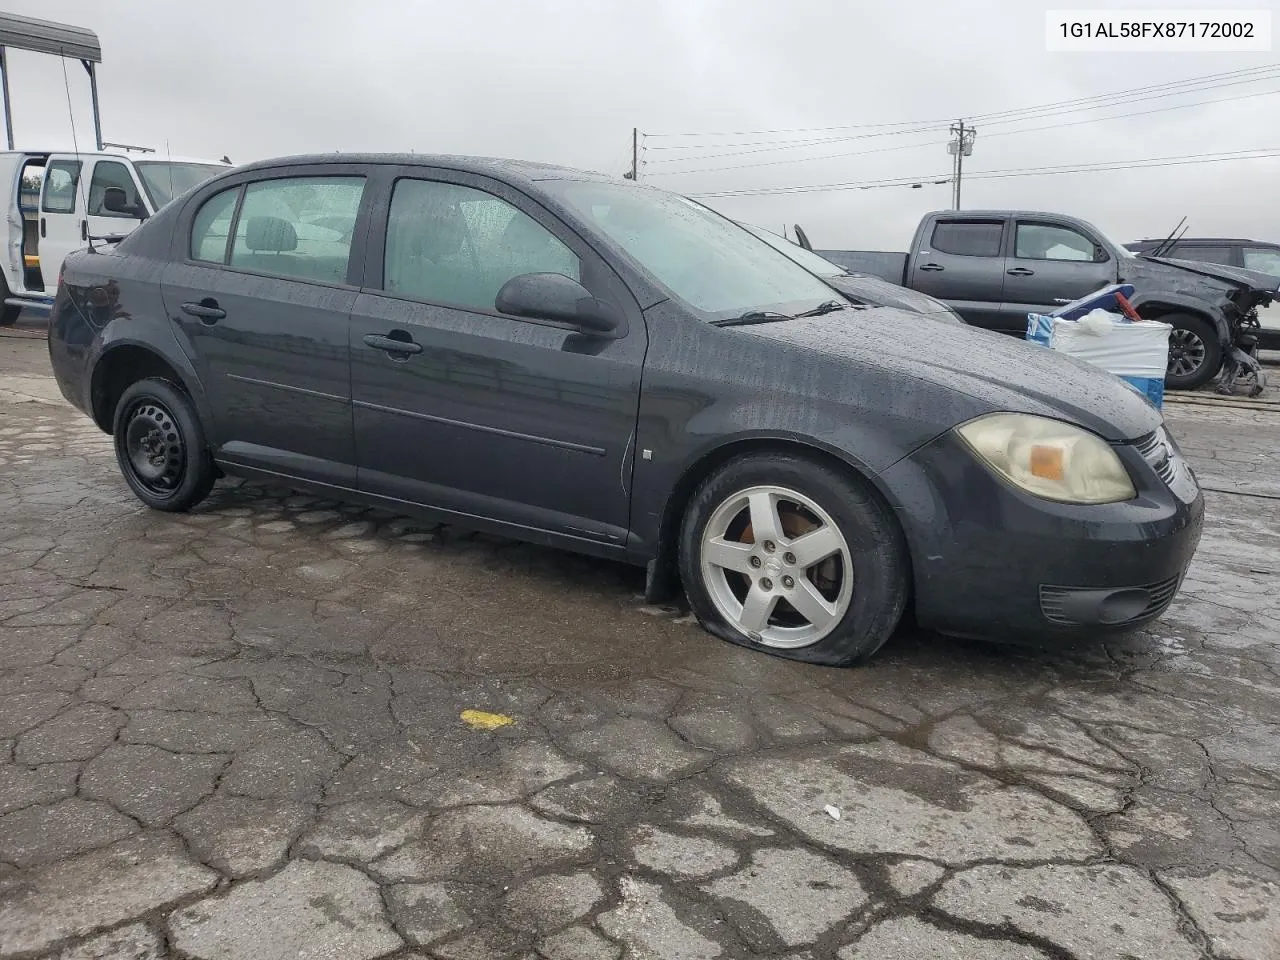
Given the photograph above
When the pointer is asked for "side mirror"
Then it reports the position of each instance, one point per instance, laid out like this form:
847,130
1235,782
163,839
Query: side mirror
116,200
555,297
1100,254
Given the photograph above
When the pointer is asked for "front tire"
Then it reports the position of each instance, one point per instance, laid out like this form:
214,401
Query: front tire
794,558
1195,352
160,446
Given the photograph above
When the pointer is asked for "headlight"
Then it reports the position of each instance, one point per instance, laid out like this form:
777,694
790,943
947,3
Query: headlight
1049,458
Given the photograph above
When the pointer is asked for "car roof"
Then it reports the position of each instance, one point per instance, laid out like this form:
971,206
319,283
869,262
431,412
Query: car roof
134,156
527,170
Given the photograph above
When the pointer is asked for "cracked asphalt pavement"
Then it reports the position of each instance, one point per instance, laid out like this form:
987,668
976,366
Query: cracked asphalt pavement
238,733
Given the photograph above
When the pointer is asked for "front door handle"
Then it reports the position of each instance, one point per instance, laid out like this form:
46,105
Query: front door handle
1020,272
391,344
932,266
208,311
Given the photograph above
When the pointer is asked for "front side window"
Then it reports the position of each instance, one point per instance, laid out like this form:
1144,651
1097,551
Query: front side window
708,262
1040,241
60,182
300,227
453,244
109,175
1263,259
1201,254
968,238
212,227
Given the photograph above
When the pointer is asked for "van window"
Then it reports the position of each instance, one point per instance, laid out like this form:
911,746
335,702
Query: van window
108,174
60,182
968,238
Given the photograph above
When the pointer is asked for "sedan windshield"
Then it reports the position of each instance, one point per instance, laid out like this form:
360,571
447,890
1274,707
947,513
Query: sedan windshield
165,179
708,262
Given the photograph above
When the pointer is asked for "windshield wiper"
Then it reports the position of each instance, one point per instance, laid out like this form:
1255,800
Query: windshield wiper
831,306
752,316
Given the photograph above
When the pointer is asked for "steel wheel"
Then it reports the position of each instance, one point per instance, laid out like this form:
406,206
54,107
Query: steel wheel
1186,352
155,452
777,567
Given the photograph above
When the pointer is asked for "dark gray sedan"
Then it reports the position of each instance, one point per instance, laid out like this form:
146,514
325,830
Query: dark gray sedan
601,366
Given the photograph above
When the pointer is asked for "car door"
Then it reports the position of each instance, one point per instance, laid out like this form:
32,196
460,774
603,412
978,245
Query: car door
63,226
961,263
260,294
522,422
1051,264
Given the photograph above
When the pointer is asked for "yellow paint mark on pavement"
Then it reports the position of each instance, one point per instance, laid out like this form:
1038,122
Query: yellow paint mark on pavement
479,720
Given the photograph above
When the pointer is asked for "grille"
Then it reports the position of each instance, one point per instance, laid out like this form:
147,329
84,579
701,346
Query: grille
1054,601
1157,450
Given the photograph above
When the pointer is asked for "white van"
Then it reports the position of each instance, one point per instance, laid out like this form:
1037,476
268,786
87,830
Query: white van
56,203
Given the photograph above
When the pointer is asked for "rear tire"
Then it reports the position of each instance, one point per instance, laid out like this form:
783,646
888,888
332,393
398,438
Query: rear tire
1195,352
791,557
160,446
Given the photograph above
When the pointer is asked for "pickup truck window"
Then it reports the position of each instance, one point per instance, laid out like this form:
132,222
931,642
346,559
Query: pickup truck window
1042,241
968,238
1263,259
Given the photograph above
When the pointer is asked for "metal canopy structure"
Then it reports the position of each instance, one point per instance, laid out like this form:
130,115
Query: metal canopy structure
57,39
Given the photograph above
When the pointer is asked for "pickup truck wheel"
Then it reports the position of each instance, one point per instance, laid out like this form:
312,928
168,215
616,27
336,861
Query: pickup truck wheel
1195,352
160,446
794,558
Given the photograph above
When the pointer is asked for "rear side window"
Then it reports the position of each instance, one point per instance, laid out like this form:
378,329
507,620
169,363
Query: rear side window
453,244
212,227
1263,259
968,238
60,182
300,227
1204,254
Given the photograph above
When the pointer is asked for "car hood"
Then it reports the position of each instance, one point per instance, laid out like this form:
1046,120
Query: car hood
993,369
882,293
1194,273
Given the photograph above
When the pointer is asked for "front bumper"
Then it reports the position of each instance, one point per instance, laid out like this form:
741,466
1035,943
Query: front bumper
992,561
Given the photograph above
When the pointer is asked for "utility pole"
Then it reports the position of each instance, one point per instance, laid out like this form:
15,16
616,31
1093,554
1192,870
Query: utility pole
960,147
634,173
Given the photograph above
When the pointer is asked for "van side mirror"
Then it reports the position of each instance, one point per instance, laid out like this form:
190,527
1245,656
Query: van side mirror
555,297
115,200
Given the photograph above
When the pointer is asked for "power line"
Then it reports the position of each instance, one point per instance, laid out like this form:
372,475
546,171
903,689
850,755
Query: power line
1259,153
1115,98
935,143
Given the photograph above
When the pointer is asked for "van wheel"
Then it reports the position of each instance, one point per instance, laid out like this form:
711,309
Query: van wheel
8,315
785,555
1195,352
160,446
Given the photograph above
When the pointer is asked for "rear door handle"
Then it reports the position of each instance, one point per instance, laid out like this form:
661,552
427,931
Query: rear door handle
932,266
42,225
1020,272
84,229
208,312
391,345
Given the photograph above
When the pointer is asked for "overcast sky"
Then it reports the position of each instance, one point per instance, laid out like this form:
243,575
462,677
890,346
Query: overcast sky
566,81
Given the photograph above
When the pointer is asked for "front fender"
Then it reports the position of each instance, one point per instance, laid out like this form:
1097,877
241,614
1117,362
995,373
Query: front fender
1215,314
